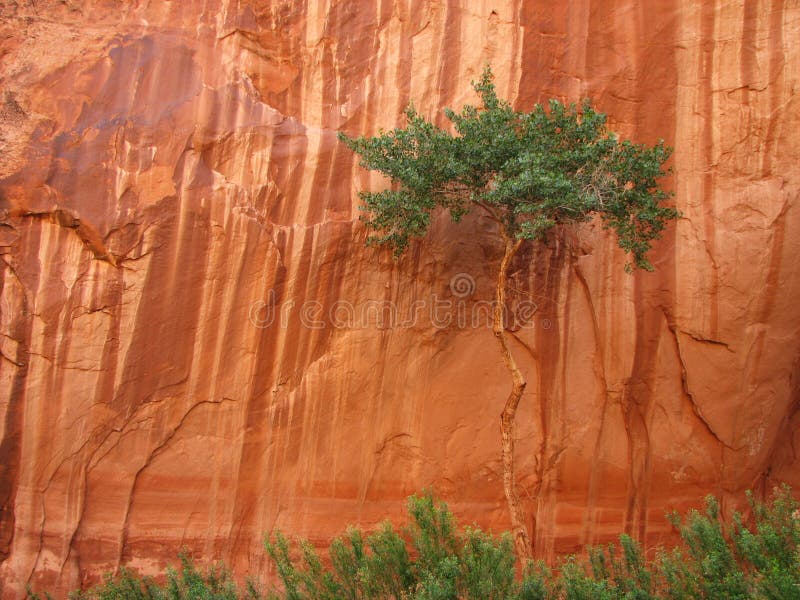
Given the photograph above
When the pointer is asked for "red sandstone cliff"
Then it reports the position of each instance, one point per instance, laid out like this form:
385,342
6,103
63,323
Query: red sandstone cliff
169,174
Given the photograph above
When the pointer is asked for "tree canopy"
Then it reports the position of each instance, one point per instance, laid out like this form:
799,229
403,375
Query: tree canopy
528,170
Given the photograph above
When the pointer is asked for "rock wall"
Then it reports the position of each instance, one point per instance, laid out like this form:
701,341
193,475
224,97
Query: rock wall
196,347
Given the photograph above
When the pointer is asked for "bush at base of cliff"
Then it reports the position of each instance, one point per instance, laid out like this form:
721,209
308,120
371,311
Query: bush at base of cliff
186,583
432,559
756,561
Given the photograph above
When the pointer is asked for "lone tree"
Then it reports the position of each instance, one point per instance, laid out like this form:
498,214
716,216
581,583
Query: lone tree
528,172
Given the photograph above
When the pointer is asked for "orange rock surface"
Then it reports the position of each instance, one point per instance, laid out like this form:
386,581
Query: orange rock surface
194,342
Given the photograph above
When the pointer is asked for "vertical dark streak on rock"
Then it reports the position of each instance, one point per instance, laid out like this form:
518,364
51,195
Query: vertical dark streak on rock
21,328
599,367
777,64
637,406
708,11
549,346
11,444
451,47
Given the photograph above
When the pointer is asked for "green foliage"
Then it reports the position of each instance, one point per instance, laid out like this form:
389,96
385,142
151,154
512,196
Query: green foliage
487,566
187,583
625,573
738,561
711,569
431,559
125,586
529,171
536,582
772,548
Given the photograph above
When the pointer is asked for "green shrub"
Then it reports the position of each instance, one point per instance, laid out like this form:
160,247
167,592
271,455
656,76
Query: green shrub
429,560
760,561
772,548
187,583
432,559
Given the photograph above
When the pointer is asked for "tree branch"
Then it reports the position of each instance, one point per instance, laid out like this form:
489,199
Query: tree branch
492,213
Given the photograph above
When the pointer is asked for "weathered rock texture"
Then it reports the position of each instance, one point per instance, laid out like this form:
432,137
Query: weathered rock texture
170,178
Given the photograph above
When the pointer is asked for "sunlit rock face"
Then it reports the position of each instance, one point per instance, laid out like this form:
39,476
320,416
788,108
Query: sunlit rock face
197,348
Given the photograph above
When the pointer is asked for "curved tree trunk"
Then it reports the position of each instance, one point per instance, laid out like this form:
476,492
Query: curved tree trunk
508,416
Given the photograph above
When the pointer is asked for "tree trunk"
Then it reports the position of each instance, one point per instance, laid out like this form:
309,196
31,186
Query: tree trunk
508,416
